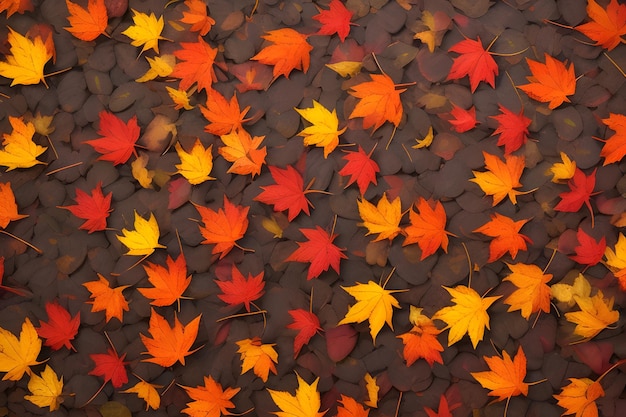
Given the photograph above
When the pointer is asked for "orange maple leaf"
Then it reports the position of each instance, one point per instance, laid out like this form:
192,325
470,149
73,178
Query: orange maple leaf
169,345
579,397
257,356
614,148
551,82
16,6
380,102
421,341
244,152
427,228
8,207
506,377
107,299
196,65
607,26
532,294
197,17
507,237
87,24
210,400
289,50
169,283
501,178
350,408
224,226
224,116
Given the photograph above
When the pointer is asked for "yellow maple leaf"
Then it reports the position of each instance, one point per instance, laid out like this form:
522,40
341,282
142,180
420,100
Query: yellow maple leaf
306,402
427,141
45,389
196,165
243,151
616,259
146,31
147,392
107,299
324,131
144,239
372,389
160,66
563,171
18,355
565,293
501,178
532,294
180,98
19,149
595,314
346,68
467,315
384,218
140,172
257,356
432,28
27,59
374,303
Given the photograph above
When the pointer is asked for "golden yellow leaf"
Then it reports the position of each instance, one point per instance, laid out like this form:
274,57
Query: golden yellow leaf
427,141
180,98
532,294
19,149
579,397
160,66
147,392
27,59
372,389
616,259
346,68
146,31
384,218
595,314
563,171
324,131
306,402
140,172
565,293
196,165
467,315
45,389
144,239
432,28
501,178
257,356
272,226
18,355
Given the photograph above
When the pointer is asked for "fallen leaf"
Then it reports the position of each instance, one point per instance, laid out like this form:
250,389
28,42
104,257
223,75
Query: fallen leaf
372,389
307,324
169,345
196,16
139,171
565,293
473,61
374,303
147,392
379,102
607,26
427,141
16,6
596,313
94,208
462,120
506,234
160,66
319,250
18,355
350,408
87,24
384,218
46,389
588,251
505,379
614,147
61,327
563,171
287,194
257,356
241,290
210,400
169,283
324,131
8,207
616,260
532,294
223,227
361,168
224,116
244,152
581,187
427,228
110,367
118,139
512,128
579,397
180,98
346,68
550,82
20,151
107,299
442,411
432,28
196,65
25,63
145,31
467,315
289,50
306,402
334,20
501,178
144,239
421,341
197,164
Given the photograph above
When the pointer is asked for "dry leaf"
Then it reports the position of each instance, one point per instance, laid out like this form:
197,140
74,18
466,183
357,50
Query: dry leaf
287,194
579,397
244,152
25,63
372,389
501,178
169,283
428,228
144,239
224,116
607,26
506,236
197,164
169,345
614,147
551,82
379,102
197,17
307,324
334,20
505,378
146,31
240,289
257,356
421,341
87,24
289,50
61,327
324,131
350,408
473,61
210,400
46,389
596,313
107,299
616,260
565,293
563,171
361,168
146,392
94,208
160,66
118,139
532,294
140,172
319,250
18,355
16,6
8,207
111,367
196,65
223,227
20,151
306,402
384,218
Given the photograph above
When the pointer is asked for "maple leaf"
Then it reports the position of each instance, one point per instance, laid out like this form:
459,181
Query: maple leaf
196,65
374,303
563,171
169,345
607,26
614,148
361,168
588,251
579,397
379,102
512,128
18,355
146,31
196,165
551,82
287,194
26,61
428,228
596,313
350,408
160,66
87,24
319,250
20,151
243,151
169,283
334,20
107,299
61,327
501,178
46,389
462,120
616,260
257,356
224,116
111,367
223,227
307,324
94,208
306,402
432,28
443,409
421,341
118,139
507,237
372,389
144,239
180,98
8,207
581,187
289,50
197,17
16,6
384,218
473,61
210,400
241,290
505,378
324,131
467,315
532,294
147,392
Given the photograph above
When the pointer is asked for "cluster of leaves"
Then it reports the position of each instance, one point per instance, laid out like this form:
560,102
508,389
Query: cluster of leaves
250,147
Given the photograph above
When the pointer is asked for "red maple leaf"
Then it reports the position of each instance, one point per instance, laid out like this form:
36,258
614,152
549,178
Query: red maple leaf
361,168
335,20
307,325
118,139
475,62
241,290
94,208
444,410
61,327
223,227
319,251
110,367
196,64
581,187
588,251
287,194
462,120
512,128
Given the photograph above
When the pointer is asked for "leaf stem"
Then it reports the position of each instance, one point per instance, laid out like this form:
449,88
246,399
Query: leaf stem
30,245
234,316
54,171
